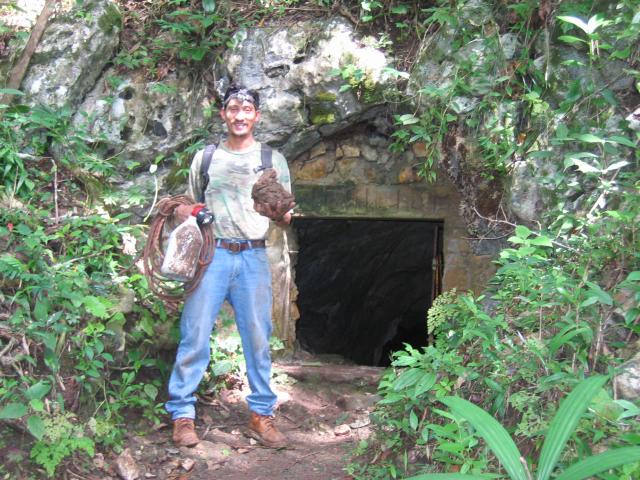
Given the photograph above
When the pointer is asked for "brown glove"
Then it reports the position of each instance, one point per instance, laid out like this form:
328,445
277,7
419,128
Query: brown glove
270,199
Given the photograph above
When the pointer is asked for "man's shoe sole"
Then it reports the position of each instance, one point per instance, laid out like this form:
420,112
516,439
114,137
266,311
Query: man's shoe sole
188,445
256,436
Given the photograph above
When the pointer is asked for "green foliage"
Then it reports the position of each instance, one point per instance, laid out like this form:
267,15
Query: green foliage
61,439
438,311
561,290
359,81
562,427
191,34
69,287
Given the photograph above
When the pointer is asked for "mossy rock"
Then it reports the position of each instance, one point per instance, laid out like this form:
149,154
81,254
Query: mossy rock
325,97
322,115
111,19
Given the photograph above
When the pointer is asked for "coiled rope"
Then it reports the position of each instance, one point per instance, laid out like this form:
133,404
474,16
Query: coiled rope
153,255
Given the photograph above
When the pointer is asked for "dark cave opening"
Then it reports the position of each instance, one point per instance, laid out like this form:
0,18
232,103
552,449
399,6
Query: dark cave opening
365,285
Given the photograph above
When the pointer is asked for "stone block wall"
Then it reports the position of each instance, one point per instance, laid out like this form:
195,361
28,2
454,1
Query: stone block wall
358,177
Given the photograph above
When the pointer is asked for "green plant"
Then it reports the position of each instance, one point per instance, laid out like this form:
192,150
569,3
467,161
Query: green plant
61,438
562,427
438,311
359,81
192,34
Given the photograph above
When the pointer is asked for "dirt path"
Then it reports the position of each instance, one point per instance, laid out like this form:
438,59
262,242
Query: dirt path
323,420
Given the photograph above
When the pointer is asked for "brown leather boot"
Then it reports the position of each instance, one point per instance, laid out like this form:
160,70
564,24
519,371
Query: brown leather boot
184,433
262,428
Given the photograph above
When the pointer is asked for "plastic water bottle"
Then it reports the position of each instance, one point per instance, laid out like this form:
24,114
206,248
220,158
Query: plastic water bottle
183,251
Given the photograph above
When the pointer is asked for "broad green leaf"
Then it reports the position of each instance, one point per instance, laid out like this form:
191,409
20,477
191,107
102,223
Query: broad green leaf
41,310
596,22
35,425
427,381
209,5
13,410
599,463
10,91
95,306
574,21
405,361
407,379
408,119
522,231
565,336
589,138
630,409
622,140
37,391
564,423
493,434
413,420
401,9
542,241
602,296
633,276
222,368
571,39
151,391
616,166
584,166
395,73
36,405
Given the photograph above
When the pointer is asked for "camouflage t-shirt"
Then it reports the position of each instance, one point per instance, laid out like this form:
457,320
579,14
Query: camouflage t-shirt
228,195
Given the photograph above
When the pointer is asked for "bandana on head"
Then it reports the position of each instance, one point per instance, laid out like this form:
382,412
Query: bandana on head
244,95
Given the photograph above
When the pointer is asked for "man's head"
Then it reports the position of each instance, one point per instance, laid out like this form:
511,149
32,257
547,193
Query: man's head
240,110
241,93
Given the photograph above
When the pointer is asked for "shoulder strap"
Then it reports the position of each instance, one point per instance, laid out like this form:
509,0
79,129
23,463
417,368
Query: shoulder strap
266,158
209,150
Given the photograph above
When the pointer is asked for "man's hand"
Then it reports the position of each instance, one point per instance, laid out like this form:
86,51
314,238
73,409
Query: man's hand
182,212
276,211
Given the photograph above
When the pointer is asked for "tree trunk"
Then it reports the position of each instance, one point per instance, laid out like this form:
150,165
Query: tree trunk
20,68
354,374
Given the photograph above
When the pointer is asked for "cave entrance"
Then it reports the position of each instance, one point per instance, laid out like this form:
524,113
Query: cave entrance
365,285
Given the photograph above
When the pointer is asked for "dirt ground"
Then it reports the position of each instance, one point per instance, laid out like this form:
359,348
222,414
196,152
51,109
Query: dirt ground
322,417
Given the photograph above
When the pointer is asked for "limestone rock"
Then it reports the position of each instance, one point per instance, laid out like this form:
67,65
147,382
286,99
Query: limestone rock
628,381
525,196
208,451
126,466
72,53
292,69
142,119
24,15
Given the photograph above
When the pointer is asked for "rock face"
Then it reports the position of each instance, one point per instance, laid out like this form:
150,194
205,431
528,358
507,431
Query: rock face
479,65
25,14
628,381
72,53
141,120
293,69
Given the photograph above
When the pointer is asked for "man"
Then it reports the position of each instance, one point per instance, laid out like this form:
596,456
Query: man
239,273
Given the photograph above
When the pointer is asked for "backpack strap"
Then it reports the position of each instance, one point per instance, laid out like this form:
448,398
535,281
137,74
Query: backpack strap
209,150
266,158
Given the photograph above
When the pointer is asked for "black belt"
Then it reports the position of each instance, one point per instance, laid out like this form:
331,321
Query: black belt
236,246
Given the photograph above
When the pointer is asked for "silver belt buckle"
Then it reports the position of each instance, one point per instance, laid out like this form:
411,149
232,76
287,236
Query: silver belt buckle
235,246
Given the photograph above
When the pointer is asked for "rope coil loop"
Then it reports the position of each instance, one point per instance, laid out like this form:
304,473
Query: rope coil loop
153,254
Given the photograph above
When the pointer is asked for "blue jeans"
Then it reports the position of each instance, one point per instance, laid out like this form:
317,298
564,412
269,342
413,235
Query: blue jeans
244,279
